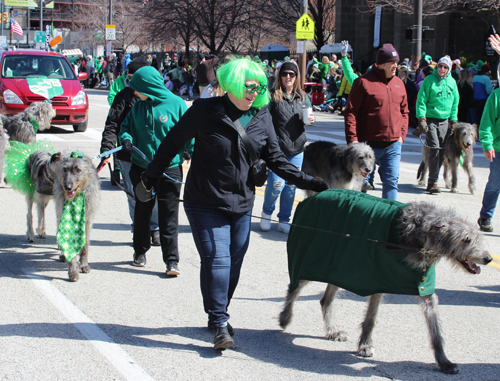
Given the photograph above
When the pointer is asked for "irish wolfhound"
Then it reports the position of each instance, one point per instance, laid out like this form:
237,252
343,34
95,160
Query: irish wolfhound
24,126
363,262
42,165
459,143
76,175
340,166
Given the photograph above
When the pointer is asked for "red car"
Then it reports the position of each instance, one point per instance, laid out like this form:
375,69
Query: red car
28,76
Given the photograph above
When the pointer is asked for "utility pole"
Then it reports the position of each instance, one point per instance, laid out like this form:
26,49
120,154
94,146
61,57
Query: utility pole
417,34
302,56
110,22
41,16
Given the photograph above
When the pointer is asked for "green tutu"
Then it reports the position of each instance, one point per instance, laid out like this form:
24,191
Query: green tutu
17,171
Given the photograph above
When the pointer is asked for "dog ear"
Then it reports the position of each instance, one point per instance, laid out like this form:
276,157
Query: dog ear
56,157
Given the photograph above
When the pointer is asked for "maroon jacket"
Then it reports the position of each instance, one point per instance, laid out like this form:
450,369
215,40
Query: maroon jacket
376,110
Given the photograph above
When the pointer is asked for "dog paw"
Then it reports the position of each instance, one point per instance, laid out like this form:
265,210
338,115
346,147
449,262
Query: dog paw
421,182
472,190
74,276
447,186
448,368
85,269
31,239
337,336
366,351
42,235
62,258
454,190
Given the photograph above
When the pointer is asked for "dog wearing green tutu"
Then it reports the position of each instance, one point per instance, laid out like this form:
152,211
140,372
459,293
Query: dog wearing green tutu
76,194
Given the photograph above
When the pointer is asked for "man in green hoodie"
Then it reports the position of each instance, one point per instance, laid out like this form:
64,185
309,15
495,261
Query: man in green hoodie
437,101
147,124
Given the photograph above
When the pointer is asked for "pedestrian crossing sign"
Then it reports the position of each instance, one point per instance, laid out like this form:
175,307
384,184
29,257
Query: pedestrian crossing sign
304,29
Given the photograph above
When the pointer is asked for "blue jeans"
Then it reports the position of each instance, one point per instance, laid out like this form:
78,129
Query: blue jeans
222,240
127,184
492,189
190,89
388,160
276,186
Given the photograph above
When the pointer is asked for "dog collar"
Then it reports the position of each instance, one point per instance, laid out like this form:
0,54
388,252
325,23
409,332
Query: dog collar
76,155
34,123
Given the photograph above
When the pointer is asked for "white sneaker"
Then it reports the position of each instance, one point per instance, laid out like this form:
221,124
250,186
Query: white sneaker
283,227
265,223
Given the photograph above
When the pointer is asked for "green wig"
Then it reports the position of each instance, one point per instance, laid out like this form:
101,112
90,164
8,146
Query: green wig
233,75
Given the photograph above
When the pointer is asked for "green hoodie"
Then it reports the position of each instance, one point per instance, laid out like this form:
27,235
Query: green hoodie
117,86
149,121
489,129
438,97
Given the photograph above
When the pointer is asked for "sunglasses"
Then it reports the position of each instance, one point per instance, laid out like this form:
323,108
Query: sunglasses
250,89
285,74
441,66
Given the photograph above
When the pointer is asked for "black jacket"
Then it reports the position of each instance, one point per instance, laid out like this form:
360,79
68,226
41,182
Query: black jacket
220,164
122,104
288,124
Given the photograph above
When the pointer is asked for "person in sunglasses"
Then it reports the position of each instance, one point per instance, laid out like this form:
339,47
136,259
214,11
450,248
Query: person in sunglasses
219,191
287,100
437,104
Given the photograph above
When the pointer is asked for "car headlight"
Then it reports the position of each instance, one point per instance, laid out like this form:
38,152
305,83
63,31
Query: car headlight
79,99
11,97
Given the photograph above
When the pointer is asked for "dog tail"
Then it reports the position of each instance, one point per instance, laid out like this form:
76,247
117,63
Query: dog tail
420,170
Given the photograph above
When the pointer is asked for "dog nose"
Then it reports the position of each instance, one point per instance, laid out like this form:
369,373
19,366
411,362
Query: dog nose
487,259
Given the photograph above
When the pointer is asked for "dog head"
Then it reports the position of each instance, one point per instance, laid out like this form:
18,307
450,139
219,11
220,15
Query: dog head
361,158
42,112
465,136
73,173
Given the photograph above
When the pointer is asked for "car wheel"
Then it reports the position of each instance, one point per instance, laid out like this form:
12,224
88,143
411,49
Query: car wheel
81,127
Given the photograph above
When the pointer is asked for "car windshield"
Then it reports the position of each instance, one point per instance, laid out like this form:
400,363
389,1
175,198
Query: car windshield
35,66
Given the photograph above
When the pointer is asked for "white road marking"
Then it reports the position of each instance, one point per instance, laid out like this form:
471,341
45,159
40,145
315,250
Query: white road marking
112,351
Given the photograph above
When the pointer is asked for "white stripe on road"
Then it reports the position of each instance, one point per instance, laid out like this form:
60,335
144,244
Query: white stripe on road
112,351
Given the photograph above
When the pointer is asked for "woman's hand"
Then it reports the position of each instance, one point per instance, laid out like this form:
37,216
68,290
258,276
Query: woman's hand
495,42
311,118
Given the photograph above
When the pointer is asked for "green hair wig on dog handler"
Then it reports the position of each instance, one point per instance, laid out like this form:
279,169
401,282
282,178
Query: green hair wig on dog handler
233,75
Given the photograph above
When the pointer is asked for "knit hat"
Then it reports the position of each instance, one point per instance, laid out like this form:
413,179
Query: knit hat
479,64
446,60
387,53
485,68
137,63
423,63
289,65
473,69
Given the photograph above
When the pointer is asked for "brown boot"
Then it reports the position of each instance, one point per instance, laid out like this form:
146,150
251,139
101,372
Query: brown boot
433,189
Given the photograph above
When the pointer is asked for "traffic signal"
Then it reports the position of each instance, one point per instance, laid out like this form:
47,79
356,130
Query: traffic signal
6,17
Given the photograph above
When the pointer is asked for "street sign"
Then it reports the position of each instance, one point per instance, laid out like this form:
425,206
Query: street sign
300,47
304,29
40,37
110,32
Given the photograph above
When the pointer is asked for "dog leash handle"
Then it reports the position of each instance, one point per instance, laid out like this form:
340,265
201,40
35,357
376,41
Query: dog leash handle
108,152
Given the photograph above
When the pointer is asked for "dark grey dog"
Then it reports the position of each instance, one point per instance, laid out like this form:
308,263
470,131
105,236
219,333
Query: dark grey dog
428,234
42,165
21,127
75,175
340,166
460,141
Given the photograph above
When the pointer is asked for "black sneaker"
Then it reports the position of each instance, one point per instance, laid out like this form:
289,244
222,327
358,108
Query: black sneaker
155,238
485,225
222,338
139,260
172,269
213,328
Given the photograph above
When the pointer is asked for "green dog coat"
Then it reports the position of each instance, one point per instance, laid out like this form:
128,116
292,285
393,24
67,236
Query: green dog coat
354,264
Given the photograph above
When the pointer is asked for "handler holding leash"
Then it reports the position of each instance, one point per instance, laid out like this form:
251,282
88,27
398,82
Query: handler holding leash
437,101
220,186
377,113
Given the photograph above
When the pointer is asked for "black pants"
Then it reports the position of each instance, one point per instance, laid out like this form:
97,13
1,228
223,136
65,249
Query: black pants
168,214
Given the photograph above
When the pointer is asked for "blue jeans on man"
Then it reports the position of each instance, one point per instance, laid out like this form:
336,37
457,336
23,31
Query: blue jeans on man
492,189
276,186
388,160
222,240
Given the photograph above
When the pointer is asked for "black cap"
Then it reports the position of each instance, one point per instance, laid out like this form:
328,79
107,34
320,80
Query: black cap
137,63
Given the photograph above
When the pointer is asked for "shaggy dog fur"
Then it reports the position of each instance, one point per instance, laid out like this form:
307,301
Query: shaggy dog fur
463,139
435,234
73,176
20,128
340,166
42,165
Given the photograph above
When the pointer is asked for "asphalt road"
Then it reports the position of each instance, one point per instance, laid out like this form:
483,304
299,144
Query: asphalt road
125,323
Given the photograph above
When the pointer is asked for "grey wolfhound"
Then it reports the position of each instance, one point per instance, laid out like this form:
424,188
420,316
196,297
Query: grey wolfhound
456,145
340,166
75,175
42,167
338,250
24,126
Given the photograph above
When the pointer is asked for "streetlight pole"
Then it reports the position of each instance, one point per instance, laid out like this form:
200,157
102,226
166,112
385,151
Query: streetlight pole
110,22
302,56
41,16
417,33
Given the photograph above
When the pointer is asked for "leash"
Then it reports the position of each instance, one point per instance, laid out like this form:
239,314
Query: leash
426,146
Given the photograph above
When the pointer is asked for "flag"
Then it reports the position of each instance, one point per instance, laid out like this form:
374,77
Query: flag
16,28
